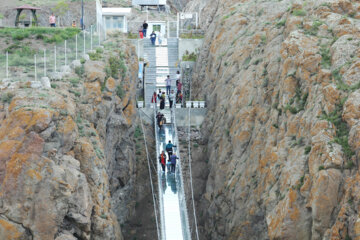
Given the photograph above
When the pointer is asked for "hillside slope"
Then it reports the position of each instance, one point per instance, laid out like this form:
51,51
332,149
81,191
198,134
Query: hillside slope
281,138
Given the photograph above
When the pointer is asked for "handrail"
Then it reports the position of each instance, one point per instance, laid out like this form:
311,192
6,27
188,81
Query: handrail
180,186
161,198
151,183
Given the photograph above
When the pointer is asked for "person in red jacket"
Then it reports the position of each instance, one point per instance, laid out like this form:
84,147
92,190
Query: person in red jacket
154,98
162,160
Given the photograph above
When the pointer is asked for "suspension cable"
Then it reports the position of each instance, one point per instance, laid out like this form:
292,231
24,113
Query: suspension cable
151,182
190,170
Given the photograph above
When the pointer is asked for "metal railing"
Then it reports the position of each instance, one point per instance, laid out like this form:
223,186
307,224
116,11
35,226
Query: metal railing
27,64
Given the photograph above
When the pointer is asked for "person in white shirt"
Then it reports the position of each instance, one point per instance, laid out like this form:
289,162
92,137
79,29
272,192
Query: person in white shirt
159,38
168,85
178,75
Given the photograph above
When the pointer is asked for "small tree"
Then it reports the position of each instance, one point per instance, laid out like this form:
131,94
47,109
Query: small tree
60,10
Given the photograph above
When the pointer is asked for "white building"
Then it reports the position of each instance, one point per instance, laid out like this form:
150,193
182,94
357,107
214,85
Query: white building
112,19
115,18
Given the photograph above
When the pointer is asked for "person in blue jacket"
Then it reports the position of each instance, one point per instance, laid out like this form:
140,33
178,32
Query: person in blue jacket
173,158
153,38
169,148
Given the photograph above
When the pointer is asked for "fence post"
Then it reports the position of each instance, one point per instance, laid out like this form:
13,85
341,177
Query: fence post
35,67
138,48
65,55
196,20
7,64
91,37
84,43
55,58
177,25
76,47
44,62
168,29
99,33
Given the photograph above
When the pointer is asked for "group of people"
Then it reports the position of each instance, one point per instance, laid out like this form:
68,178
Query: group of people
143,31
172,158
52,21
161,97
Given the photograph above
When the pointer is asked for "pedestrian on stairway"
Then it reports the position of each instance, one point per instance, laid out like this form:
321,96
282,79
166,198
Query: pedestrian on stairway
141,32
145,27
153,38
168,84
160,119
178,75
171,98
178,86
162,160
179,97
160,38
173,158
154,98
159,95
162,101
169,148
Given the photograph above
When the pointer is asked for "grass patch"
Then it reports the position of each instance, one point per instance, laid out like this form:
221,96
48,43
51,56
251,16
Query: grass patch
314,28
192,35
299,12
189,57
325,57
340,83
342,130
281,23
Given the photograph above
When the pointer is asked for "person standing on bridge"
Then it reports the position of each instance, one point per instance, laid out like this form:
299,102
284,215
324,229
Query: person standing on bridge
168,84
171,98
145,27
162,160
173,158
154,98
153,38
162,101
169,148
179,86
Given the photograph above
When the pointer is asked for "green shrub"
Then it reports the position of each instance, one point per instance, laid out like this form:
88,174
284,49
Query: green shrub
321,167
80,70
299,12
120,91
281,23
307,150
7,97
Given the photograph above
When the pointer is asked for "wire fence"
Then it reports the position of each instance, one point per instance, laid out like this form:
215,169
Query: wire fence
33,64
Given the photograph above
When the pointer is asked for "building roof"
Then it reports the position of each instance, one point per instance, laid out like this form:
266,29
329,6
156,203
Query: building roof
27,7
116,11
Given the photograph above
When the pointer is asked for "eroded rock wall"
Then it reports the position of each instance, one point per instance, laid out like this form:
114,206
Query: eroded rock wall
281,138
67,154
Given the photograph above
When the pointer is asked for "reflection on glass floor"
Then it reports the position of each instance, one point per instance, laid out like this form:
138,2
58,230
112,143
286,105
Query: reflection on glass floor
172,211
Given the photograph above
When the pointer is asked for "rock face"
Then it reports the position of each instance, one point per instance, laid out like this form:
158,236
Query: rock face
62,174
281,139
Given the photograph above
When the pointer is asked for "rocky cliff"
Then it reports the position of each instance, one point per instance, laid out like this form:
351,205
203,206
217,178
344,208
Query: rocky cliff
280,146
68,168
